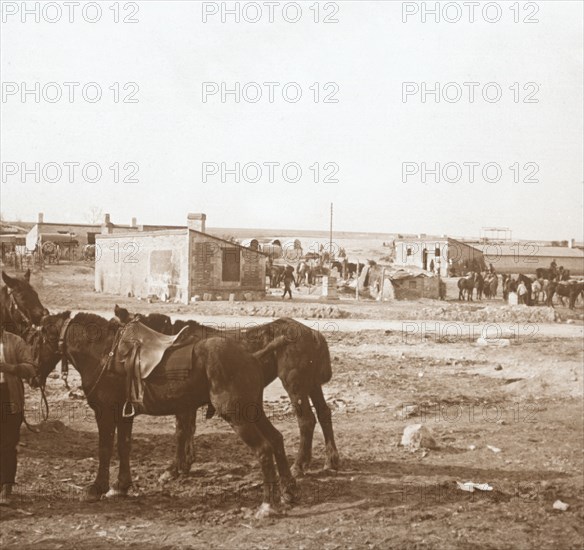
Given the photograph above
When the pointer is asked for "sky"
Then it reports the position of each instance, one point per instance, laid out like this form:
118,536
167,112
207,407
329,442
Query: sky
365,152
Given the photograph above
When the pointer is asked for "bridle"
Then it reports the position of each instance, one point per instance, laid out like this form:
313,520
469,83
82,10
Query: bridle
14,309
67,358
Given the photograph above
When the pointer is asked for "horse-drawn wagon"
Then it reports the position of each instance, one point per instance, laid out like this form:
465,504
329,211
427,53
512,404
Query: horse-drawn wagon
52,247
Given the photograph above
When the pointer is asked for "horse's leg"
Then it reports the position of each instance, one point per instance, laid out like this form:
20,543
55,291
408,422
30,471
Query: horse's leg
106,426
306,424
124,427
287,482
185,453
260,445
324,415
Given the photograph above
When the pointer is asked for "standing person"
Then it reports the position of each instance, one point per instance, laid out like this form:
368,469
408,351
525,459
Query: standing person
522,292
16,363
288,279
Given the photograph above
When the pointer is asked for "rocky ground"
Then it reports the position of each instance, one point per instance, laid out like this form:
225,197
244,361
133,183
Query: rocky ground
508,415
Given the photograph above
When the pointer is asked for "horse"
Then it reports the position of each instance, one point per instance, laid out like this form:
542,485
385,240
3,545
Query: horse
490,285
88,252
275,273
304,273
20,307
563,289
527,282
479,285
156,321
303,365
51,252
216,371
466,284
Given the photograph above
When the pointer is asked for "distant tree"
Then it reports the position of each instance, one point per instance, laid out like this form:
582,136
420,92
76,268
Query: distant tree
94,215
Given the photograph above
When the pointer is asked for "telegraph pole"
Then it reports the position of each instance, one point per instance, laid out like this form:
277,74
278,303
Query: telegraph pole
331,234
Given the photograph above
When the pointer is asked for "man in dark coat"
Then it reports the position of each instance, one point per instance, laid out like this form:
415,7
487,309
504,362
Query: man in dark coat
16,363
288,279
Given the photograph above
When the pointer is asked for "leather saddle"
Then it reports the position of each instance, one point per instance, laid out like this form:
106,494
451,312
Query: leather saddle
141,350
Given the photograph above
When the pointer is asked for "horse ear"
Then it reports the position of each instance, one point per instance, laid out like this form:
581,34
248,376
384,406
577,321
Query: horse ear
27,276
8,280
116,310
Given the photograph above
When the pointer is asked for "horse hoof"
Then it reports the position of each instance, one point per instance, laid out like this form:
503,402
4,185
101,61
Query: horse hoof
267,510
290,497
90,495
167,476
332,462
116,493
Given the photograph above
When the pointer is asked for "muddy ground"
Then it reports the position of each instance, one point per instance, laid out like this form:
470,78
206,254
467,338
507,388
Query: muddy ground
524,398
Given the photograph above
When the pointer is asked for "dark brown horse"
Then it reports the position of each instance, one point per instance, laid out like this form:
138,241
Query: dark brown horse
215,371
20,307
303,365
466,287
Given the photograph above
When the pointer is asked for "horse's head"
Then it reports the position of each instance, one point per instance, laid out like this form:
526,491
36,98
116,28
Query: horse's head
45,343
123,315
22,301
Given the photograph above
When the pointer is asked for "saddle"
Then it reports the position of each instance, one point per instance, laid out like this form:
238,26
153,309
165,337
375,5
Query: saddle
142,350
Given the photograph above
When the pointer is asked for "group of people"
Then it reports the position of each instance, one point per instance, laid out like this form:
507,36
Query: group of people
16,364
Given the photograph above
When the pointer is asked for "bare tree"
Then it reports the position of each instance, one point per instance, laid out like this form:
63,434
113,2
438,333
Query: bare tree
94,215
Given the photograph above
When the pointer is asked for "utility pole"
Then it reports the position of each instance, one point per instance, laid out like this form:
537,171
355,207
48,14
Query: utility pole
331,234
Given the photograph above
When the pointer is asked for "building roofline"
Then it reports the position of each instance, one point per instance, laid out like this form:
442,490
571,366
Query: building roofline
183,231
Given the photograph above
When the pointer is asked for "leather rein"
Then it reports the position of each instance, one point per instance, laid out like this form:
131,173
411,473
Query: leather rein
66,357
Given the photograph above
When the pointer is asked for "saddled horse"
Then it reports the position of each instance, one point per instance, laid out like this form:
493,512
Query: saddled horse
20,307
466,286
178,379
156,321
564,289
303,365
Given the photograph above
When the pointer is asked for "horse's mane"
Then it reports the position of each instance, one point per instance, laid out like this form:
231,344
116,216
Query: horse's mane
84,318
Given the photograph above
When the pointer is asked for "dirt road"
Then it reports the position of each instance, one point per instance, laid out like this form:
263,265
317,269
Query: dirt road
523,398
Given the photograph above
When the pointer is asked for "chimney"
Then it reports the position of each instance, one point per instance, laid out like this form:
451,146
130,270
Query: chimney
107,226
41,218
196,222
134,222
572,243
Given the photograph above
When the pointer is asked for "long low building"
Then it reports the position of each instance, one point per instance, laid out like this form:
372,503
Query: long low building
447,256
178,265
527,257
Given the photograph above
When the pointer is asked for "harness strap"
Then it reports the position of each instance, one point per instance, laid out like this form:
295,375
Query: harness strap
107,362
62,348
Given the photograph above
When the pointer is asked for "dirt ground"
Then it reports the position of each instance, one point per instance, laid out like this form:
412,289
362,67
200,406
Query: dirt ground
524,398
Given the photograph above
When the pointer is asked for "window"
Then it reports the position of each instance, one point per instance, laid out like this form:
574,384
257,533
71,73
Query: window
437,251
409,251
412,284
231,265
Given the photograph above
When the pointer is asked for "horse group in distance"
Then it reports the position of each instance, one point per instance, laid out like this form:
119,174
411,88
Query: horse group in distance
538,289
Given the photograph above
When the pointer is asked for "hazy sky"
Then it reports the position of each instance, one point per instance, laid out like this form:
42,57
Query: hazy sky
369,133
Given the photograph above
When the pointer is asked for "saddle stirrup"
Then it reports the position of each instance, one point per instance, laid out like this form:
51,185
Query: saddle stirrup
132,411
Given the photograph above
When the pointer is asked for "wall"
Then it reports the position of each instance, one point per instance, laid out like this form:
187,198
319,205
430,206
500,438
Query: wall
416,258
206,268
464,257
143,264
413,288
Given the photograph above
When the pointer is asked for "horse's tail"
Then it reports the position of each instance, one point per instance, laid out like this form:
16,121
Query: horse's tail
275,344
325,372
